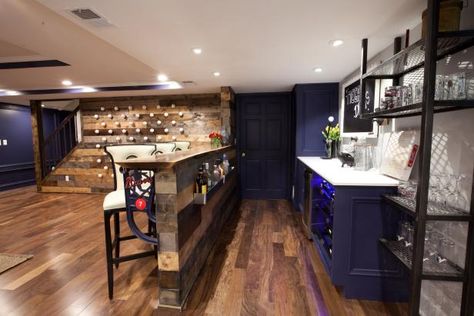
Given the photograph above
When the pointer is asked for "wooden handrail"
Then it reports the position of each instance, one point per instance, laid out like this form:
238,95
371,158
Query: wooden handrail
61,126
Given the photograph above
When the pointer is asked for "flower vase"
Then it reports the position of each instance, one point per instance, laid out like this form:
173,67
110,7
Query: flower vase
328,149
335,148
215,142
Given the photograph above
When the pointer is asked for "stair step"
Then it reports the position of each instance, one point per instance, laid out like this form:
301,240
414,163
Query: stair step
49,189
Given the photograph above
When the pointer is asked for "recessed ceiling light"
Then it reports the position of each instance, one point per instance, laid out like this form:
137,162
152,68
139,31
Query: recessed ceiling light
337,43
318,69
66,82
216,74
162,77
197,51
42,105
88,89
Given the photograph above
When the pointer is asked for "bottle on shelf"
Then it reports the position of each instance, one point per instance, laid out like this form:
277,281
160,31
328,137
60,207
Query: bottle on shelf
225,164
219,166
201,183
208,175
216,174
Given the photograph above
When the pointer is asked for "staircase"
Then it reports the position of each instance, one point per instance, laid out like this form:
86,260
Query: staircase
74,167
83,170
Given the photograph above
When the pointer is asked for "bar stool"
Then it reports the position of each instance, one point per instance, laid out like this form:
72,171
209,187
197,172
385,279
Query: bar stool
182,145
115,203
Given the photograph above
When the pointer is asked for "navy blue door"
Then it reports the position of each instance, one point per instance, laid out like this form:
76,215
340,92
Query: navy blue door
263,139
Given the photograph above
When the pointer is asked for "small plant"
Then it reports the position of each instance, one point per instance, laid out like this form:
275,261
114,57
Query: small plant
216,139
331,133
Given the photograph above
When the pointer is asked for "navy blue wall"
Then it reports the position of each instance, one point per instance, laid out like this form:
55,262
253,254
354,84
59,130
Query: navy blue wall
16,159
313,104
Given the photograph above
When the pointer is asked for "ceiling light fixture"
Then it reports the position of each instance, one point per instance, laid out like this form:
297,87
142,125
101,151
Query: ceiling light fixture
337,43
66,82
162,77
12,92
216,74
88,89
197,51
318,69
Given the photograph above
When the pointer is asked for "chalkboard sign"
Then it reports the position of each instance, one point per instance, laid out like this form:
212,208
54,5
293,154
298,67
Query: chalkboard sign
351,110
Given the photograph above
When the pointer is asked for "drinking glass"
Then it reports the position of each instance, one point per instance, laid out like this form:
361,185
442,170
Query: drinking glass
409,234
447,248
439,90
434,192
401,234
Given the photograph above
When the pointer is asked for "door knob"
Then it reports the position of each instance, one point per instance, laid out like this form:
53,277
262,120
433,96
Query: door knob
243,154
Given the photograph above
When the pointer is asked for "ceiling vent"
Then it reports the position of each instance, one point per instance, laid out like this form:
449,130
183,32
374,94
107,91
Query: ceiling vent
187,83
91,17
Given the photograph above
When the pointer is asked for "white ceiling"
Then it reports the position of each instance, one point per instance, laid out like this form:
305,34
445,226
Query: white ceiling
257,45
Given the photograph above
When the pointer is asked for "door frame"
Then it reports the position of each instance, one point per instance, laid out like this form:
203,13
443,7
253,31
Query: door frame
291,134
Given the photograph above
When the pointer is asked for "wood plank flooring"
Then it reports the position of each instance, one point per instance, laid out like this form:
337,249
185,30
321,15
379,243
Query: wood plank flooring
261,265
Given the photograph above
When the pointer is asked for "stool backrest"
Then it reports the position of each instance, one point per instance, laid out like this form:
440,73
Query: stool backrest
139,186
124,152
182,146
164,148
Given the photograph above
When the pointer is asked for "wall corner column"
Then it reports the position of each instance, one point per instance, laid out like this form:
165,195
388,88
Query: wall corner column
37,128
228,111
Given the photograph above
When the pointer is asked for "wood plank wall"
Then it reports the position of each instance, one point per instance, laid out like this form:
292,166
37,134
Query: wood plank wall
188,231
89,170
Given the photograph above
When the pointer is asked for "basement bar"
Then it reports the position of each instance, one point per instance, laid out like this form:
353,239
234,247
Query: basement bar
188,224
304,158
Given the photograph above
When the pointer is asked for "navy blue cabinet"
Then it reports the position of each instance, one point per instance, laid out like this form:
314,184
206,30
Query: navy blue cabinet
346,223
313,104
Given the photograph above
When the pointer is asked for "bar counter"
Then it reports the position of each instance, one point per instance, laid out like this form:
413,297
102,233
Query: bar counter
187,230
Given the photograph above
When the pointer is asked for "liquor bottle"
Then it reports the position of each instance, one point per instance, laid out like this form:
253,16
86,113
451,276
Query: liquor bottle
208,175
225,164
219,166
201,183
216,174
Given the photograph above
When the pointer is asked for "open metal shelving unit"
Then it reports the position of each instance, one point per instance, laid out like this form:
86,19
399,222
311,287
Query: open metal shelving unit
423,55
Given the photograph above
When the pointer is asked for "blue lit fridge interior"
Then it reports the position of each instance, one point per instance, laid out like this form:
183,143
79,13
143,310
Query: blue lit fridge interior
322,216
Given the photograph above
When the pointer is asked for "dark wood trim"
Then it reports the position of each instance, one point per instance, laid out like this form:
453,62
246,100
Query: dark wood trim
16,184
16,167
37,128
66,120
33,64
14,106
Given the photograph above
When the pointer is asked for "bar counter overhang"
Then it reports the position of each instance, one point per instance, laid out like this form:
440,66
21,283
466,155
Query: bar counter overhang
187,228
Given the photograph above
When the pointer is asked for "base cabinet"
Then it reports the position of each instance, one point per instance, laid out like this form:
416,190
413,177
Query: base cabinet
346,223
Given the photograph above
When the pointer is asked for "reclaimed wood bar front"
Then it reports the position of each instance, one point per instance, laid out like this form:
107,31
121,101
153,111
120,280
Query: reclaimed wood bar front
187,231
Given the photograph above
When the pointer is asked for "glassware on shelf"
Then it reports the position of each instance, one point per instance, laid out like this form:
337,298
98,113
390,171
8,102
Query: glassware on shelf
401,234
446,249
459,86
407,189
418,92
439,87
470,89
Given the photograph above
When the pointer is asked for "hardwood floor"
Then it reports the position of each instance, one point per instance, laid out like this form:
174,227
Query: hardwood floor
261,265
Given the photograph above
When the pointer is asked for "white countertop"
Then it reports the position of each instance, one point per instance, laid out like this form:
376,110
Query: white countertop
331,171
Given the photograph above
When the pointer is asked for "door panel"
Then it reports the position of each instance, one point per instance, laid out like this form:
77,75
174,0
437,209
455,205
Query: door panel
264,134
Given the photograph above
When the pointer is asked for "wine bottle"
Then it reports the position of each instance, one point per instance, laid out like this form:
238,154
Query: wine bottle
207,173
201,183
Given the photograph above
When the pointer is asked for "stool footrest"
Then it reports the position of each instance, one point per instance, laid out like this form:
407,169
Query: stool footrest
134,256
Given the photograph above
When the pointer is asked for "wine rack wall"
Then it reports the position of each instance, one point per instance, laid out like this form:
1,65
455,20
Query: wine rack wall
136,120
